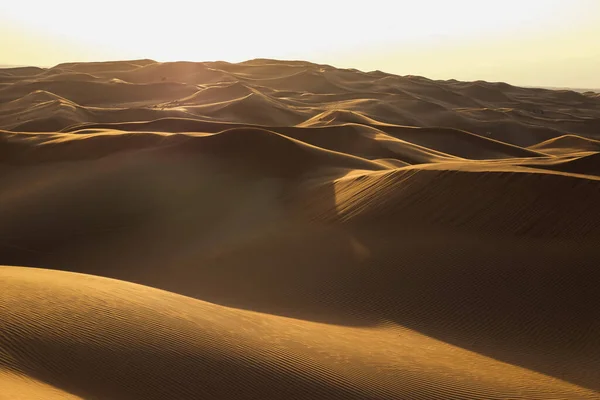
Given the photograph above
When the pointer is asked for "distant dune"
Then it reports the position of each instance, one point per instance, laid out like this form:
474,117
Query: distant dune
581,90
288,230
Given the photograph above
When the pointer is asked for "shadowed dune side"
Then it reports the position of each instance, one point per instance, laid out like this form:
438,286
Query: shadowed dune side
354,139
428,89
91,337
185,72
169,125
217,217
499,262
587,164
22,71
255,108
97,93
50,113
269,151
217,94
451,142
42,112
307,80
537,194
11,75
459,143
338,117
483,92
378,109
567,144
367,142
306,93
274,153
30,100
49,124
63,76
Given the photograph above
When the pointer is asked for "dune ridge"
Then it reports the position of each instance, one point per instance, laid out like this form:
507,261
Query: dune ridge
181,347
290,230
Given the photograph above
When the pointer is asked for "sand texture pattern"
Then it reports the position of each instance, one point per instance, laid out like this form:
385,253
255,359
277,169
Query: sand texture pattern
287,230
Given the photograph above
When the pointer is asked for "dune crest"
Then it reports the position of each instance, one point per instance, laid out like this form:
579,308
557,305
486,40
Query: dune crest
289,230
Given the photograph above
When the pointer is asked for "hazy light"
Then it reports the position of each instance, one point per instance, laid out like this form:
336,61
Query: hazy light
508,40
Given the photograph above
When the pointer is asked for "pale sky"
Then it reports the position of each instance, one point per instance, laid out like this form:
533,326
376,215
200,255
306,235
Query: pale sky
523,42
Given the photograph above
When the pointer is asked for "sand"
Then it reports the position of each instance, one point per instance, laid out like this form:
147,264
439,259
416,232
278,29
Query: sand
288,230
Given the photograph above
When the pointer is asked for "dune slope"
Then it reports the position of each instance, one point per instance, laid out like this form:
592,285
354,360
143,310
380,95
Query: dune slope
92,337
288,230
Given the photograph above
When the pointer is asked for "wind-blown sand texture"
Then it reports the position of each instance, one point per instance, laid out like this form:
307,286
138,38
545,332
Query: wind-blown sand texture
287,230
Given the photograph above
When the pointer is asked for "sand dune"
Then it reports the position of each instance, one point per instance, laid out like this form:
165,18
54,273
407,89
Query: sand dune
97,338
568,143
287,230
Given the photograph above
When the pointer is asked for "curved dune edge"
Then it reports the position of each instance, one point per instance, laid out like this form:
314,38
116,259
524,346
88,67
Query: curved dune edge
280,93
16,385
217,217
339,234
94,337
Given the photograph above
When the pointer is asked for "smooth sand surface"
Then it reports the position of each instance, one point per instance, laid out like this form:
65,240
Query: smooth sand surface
287,230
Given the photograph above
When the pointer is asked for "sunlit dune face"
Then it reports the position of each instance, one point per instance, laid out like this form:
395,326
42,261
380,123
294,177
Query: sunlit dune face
480,40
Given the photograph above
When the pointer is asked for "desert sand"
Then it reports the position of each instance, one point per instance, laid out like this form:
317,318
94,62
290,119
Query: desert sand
287,230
